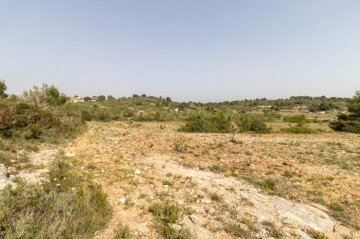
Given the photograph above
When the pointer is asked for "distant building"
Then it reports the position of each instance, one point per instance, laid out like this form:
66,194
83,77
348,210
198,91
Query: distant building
75,99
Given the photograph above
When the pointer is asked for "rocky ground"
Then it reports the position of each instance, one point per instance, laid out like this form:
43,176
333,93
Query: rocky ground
242,186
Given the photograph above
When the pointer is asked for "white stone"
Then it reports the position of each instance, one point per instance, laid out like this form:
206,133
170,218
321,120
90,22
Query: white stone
122,200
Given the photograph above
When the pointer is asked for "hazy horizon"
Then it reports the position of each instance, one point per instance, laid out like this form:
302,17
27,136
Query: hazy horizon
201,51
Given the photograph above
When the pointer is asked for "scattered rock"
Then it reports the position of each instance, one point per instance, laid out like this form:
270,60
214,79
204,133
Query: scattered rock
137,172
142,230
206,201
3,172
194,218
122,200
176,227
12,170
211,210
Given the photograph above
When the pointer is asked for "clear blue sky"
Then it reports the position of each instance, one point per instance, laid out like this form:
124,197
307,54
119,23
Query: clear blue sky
191,50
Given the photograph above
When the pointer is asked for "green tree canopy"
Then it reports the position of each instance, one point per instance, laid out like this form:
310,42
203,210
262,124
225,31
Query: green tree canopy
349,122
3,88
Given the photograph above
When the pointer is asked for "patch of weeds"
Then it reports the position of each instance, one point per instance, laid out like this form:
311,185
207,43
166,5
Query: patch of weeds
167,182
129,203
180,146
338,211
316,234
245,219
235,141
170,232
236,230
216,197
167,213
318,198
122,232
248,153
345,166
288,174
219,145
275,232
217,168
269,185
336,206
142,196
65,206
91,167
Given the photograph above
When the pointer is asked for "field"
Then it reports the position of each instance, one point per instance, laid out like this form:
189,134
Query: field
147,167
224,186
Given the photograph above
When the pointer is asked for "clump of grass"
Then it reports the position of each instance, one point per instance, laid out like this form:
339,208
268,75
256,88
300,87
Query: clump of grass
66,206
275,232
317,235
299,130
122,232
216,197
217,168
269,185
167,213
236,230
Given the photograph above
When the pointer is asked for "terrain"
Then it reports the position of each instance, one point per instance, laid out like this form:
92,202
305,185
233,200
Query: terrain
147,167
249,186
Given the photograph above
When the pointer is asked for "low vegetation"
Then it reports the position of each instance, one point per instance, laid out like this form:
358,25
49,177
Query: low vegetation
64,206
349,122
167,214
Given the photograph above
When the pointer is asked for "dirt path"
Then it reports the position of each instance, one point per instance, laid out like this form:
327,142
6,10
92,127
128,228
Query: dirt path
212,205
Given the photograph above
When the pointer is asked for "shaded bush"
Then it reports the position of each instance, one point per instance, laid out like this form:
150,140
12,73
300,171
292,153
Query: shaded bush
351,126
349,122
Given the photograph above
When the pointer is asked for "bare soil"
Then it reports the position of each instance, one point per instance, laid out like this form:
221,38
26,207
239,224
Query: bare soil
271,186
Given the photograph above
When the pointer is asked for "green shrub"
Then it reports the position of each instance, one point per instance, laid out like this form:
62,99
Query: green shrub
65,206
349,122
236,230
300,120
351,126
269,185
199,123
247,122
166,212
299,130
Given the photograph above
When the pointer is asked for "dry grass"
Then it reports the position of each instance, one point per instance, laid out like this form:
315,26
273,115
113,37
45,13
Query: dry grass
320,168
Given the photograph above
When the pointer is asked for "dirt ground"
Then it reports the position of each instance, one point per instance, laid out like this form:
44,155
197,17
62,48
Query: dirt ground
270,186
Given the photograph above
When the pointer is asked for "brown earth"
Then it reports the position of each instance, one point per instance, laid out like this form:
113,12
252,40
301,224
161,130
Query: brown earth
272,186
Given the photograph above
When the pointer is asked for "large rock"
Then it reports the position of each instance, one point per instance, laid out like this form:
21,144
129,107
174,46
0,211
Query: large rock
4,174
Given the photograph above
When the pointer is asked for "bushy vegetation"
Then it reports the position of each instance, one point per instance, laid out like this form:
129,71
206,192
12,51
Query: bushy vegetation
299,130
349,122
225,122
36,115
167,214
24,120
65,206
300,120
247,122
207,122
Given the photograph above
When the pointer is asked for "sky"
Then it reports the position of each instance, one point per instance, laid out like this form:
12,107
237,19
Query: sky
190,50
